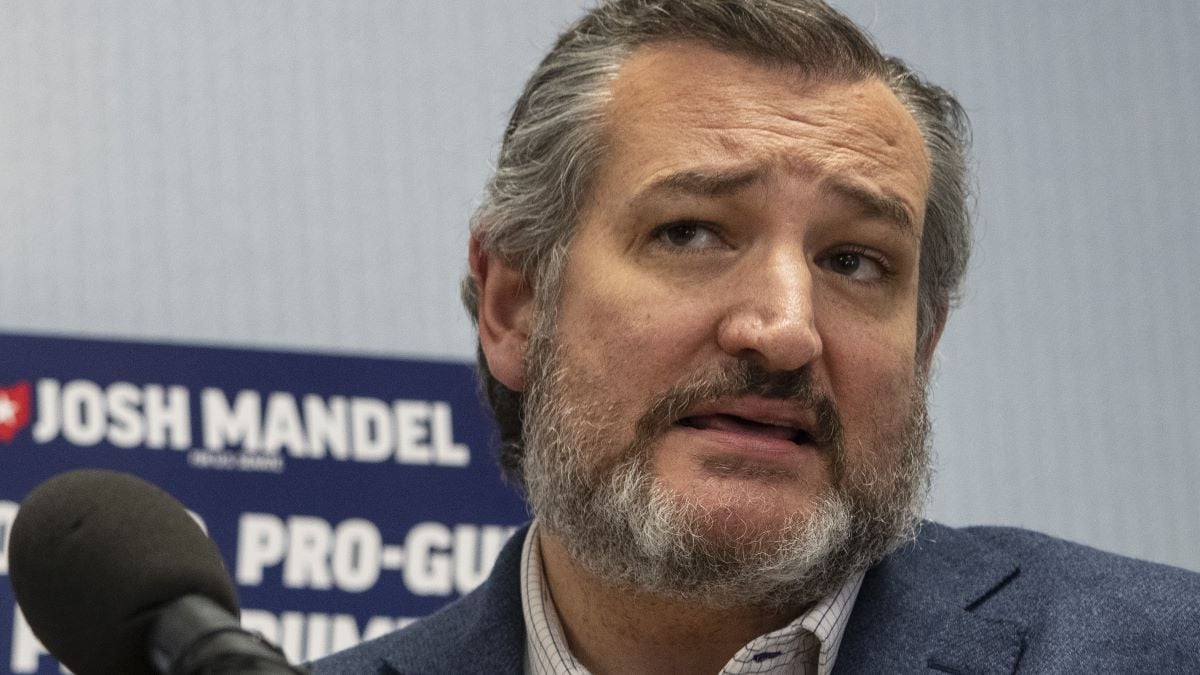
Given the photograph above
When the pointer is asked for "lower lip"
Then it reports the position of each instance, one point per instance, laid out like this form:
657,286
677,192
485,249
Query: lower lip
745,444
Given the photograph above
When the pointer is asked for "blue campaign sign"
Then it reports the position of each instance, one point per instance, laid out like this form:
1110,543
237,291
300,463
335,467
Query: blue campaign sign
347,494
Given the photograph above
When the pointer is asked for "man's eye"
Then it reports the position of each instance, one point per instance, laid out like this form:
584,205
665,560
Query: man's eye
846,263
689,234
858,265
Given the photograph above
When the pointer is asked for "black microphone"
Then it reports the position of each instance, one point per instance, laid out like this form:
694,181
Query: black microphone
114,576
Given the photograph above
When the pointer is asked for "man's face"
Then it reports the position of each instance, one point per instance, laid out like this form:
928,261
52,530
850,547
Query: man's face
734,340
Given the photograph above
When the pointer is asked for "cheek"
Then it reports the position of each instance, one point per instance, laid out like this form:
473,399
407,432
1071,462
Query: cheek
871,370
638,344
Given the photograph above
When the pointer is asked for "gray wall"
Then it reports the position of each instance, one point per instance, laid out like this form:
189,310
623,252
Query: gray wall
298,174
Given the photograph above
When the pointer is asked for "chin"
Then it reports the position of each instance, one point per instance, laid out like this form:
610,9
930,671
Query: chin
747,500
743,510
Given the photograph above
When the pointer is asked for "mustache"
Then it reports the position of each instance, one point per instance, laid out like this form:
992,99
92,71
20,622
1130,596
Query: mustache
740,379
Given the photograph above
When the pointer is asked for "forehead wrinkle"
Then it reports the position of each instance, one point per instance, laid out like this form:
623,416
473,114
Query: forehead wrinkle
884,149
835,146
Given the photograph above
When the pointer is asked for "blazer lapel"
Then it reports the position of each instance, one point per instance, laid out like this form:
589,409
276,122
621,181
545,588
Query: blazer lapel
925,608
484,632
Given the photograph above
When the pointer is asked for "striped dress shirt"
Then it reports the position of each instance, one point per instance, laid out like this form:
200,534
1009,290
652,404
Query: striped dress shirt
806,646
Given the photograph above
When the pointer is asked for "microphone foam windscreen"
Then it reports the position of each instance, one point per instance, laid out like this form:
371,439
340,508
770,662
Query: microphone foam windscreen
93,554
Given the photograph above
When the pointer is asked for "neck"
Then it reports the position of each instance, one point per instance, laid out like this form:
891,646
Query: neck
613,629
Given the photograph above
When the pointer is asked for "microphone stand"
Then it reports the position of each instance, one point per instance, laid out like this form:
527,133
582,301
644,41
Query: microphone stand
195,636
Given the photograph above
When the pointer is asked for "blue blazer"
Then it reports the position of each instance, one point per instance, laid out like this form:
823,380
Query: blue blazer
975,600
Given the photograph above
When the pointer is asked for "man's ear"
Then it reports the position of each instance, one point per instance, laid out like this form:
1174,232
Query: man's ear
941,312
505,315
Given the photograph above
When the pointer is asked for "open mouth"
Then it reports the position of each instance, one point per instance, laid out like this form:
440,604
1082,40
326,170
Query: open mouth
743,425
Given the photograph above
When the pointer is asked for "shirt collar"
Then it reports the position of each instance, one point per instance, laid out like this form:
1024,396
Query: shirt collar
807,645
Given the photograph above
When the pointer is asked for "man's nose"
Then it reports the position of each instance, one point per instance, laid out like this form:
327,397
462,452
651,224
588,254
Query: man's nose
770,319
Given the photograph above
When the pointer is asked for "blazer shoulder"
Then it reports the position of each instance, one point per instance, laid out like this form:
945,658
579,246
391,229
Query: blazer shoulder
1058,562
1073,596
991,599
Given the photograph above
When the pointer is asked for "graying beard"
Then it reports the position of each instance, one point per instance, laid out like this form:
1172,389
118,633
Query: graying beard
630,530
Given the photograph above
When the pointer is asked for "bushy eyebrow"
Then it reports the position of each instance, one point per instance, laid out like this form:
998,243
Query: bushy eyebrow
874,203
718,183
700,183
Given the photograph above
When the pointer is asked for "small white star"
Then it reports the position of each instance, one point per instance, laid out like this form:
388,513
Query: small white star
8,409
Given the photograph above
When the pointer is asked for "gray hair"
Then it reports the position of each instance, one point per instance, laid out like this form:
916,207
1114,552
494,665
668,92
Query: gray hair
555,141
